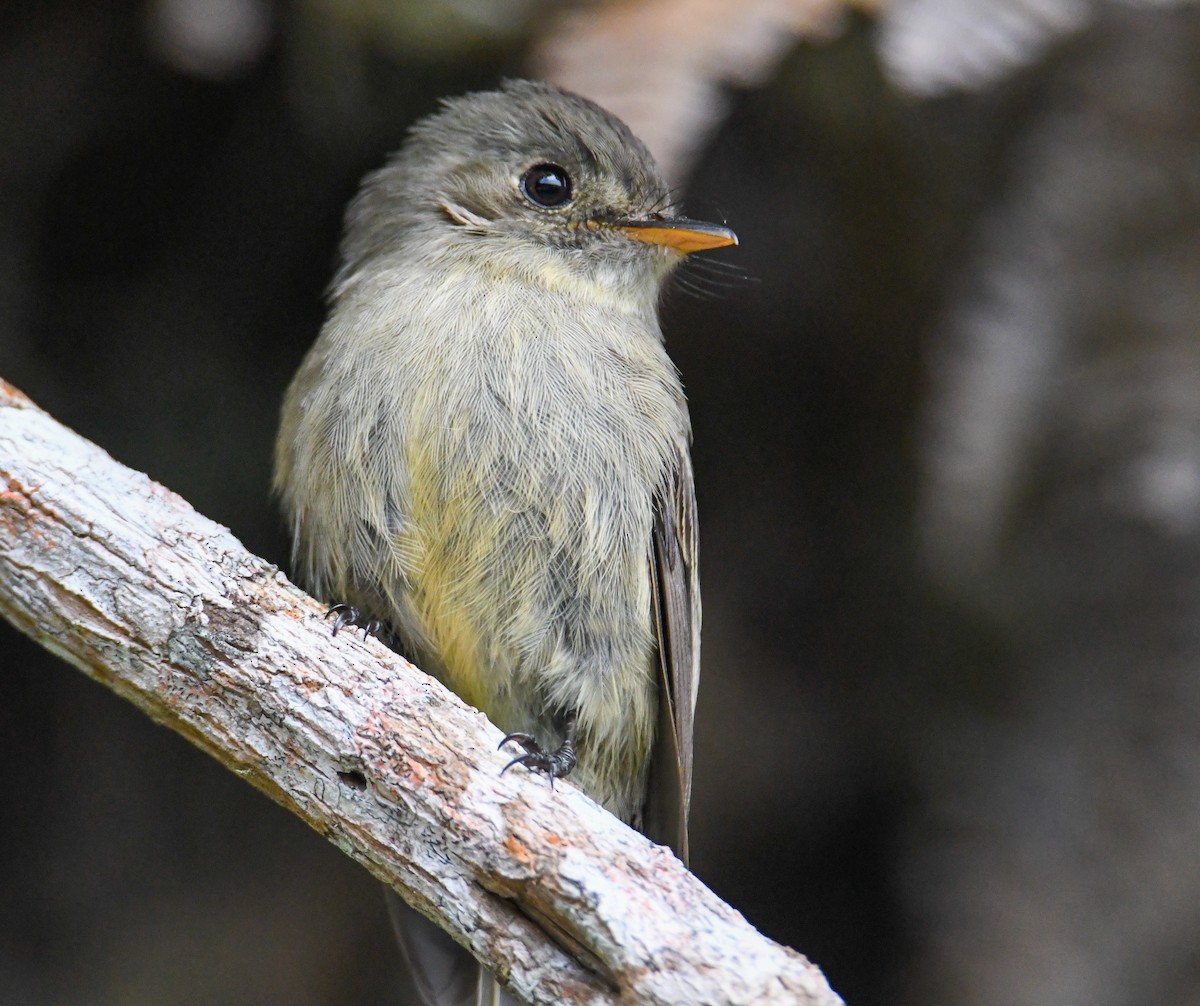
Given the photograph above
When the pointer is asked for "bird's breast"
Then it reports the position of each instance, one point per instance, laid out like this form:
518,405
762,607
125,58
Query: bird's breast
533,459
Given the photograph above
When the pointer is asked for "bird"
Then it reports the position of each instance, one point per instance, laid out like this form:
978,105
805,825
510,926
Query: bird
485,457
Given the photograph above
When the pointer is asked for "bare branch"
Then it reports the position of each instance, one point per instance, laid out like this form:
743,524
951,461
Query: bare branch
122,578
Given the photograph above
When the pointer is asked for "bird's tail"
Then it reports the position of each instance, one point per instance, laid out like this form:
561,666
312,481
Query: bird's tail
440,972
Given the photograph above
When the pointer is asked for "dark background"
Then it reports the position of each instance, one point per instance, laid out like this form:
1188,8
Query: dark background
947,422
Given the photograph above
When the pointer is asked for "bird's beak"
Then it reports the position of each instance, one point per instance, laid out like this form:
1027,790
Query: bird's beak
683,235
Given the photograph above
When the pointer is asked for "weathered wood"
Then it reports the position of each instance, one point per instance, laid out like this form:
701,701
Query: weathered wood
122,578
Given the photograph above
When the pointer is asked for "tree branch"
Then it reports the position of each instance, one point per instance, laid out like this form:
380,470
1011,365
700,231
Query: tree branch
122,578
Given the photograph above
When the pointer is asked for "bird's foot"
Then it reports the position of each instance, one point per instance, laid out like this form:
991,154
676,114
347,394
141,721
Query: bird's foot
348,614
555,764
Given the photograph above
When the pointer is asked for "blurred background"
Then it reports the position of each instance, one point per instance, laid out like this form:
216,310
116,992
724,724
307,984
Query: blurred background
946,399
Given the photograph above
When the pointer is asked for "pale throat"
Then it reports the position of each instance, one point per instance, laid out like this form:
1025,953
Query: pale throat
614,285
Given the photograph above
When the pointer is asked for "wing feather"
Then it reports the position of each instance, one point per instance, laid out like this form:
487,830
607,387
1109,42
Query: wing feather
675,589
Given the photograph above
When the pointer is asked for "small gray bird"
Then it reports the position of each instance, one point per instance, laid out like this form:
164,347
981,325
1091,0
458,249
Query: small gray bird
486,450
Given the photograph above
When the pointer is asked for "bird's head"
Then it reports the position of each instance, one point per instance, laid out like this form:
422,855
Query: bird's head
531,178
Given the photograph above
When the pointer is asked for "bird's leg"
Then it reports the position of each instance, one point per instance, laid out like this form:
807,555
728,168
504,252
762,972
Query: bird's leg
348,614
557,763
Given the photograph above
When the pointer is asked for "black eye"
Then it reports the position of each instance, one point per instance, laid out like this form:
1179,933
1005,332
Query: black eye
547,185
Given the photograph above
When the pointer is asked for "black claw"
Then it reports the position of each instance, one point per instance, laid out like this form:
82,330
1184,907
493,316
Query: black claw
525,740
554,764
348,614
345,613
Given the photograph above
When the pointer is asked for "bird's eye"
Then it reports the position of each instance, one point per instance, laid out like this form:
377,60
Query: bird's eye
546,185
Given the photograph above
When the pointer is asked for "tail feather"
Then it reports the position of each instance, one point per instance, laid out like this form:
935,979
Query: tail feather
441,972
